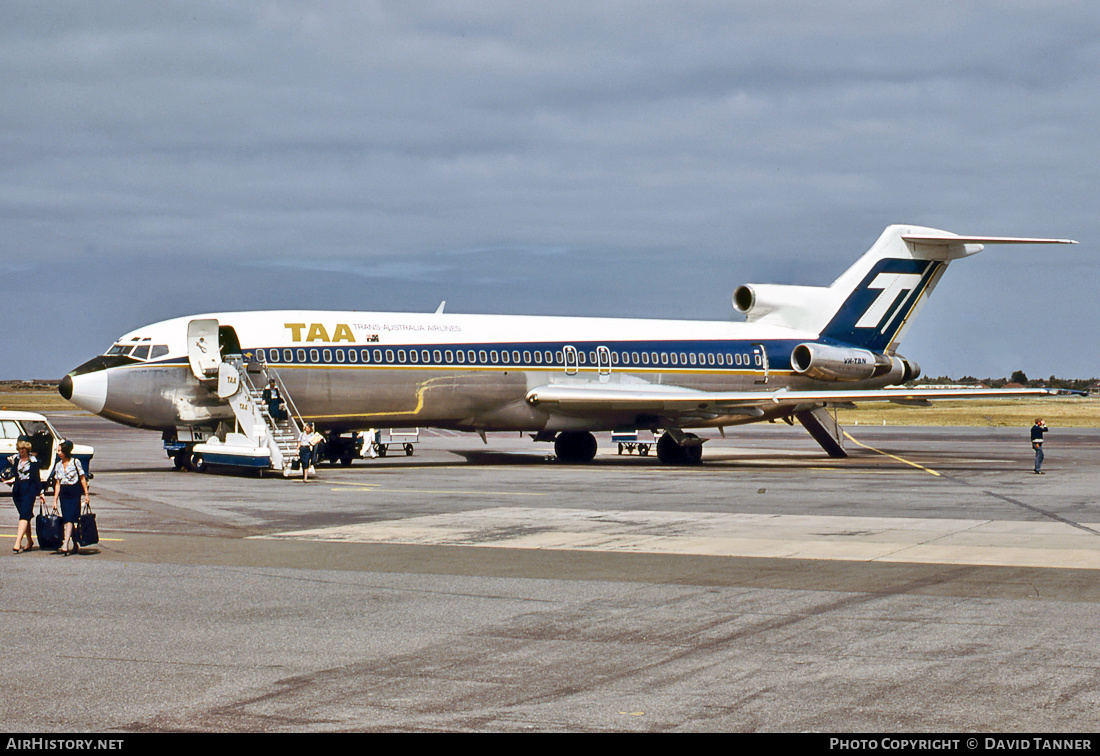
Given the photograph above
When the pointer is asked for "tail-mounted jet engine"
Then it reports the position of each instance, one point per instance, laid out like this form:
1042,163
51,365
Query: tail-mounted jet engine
829,363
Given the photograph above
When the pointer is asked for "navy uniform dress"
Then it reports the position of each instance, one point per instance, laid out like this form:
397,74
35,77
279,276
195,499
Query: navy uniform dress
26,487
71,491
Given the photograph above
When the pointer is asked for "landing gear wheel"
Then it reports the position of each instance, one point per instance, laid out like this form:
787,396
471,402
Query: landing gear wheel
575,447
181,460
672,453
693,453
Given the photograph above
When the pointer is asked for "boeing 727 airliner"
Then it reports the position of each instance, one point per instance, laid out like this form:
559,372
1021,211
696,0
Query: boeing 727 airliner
800,350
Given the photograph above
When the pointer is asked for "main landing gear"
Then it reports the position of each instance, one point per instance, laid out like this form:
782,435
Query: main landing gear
688,453
579,447
575,447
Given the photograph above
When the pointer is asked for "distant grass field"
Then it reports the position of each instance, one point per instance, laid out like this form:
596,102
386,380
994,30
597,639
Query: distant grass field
33,399
1058,411
1061,411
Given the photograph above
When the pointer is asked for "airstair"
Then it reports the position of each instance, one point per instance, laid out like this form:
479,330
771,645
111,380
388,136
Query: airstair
278,435
258,441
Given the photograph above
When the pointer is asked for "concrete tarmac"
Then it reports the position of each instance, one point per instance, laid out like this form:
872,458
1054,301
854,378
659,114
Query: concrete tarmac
929,582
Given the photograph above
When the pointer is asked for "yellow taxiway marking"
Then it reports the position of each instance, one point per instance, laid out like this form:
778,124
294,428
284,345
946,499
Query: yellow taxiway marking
891,456
12,536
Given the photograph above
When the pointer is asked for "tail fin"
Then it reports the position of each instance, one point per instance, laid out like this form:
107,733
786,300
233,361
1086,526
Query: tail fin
873,302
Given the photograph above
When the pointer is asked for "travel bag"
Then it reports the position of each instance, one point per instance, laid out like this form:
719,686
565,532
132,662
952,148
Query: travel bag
49,528
87,533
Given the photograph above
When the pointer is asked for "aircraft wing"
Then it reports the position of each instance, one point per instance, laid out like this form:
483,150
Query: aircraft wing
673,400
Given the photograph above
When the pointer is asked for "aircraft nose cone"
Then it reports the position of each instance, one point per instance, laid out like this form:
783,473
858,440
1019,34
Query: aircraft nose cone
87,390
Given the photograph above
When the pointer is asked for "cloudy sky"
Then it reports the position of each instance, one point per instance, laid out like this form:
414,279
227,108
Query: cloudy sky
608,158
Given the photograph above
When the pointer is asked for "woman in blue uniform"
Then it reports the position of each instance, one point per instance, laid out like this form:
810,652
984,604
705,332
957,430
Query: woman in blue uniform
69,481
26,487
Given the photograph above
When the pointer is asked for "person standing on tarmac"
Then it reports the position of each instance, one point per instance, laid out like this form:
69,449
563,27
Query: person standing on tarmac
26,487
69,480
1037,432
305,450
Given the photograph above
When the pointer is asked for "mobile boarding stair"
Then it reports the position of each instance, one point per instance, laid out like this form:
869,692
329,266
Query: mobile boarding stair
259,441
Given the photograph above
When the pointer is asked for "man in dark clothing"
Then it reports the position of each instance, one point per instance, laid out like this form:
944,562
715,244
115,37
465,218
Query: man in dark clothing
274,401
1037,432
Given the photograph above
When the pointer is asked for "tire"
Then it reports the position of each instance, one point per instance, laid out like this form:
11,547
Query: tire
181,460
198,464
672,453
575,447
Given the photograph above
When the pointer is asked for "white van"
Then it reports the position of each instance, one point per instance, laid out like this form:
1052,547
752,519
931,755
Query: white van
44,441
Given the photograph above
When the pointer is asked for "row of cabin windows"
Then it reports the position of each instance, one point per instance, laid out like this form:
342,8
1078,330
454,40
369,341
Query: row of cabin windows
503,357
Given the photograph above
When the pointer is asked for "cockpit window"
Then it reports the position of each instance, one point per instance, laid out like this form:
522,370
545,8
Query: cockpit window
158,351
120,349
141,352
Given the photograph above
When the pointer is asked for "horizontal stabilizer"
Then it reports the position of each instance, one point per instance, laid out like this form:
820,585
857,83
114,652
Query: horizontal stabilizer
947,240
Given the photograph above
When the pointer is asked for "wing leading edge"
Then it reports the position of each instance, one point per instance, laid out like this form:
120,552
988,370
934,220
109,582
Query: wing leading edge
672,401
